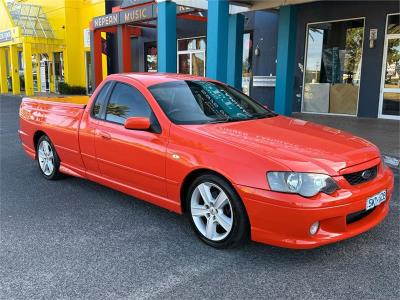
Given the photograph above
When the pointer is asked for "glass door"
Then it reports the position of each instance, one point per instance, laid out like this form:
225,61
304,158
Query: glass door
89,77
150,60
44,76
332,71
35,74
58,69
390,87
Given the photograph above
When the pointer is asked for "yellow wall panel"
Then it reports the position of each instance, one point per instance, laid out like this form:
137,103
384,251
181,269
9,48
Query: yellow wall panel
68,19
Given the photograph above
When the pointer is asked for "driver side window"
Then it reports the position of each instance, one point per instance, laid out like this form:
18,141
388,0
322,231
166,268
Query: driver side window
125,102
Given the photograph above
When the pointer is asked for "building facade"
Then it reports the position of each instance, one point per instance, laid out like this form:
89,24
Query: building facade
331,57
347,58
44,43
320,57
260,32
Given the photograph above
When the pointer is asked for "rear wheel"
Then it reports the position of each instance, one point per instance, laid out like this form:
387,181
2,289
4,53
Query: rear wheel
48,161
216,212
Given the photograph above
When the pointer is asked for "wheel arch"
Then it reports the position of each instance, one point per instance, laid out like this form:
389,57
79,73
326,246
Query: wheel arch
38,134
195,174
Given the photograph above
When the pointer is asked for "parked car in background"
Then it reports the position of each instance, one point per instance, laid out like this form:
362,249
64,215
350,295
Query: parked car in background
199,147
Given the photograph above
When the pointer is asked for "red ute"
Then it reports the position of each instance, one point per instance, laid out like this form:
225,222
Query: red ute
197,146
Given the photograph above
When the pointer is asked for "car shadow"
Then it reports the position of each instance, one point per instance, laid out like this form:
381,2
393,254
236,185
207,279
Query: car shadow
164,221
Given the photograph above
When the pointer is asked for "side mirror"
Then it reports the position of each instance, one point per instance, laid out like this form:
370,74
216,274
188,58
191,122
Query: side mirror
137,123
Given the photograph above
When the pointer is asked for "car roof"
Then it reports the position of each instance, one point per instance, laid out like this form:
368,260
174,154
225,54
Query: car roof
149,79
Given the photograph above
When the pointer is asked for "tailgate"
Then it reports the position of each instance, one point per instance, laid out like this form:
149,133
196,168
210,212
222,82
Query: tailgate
69,100
59,118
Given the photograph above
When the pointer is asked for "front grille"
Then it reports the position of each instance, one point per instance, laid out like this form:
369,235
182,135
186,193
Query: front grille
361,176
357,216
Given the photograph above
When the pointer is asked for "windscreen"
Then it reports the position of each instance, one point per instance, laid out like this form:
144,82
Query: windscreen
198,102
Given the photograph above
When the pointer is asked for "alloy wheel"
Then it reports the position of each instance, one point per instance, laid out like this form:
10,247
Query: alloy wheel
211,211
46,157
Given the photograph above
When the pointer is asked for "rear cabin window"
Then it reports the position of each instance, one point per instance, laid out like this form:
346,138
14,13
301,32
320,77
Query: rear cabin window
100,100
125,102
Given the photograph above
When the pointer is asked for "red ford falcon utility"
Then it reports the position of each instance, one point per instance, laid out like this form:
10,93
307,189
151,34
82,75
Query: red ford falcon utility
199,147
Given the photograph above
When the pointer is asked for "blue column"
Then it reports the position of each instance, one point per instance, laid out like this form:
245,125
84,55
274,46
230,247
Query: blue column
235,51
286,51
217,39
166,36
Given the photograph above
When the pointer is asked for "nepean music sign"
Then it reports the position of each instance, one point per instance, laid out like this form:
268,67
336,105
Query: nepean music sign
142,13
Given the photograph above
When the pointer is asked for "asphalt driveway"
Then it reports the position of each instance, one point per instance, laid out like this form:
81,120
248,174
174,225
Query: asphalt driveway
77,239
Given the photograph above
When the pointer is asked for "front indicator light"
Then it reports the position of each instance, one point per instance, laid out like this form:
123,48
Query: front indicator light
304,184
314,228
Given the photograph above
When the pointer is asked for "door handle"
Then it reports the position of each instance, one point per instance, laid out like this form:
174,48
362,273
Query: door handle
105,135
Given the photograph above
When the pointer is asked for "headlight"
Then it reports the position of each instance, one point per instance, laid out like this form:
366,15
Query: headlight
305,184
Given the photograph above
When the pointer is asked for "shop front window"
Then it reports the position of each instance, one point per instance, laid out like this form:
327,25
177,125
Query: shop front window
393,24
247,62
184,63
198,60
192,44
191,56
333,67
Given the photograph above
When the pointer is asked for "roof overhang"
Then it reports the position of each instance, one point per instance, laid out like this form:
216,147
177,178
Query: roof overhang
238,6
266,4
14,36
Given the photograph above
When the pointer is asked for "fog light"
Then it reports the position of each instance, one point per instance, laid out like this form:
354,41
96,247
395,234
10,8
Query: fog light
314,228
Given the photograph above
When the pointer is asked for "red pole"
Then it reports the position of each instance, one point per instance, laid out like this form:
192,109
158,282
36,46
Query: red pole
97,59
126,49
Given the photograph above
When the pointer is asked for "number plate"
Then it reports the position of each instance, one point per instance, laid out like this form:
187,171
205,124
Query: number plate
375,200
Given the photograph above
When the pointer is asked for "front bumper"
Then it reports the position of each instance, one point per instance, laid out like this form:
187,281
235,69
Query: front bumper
284,219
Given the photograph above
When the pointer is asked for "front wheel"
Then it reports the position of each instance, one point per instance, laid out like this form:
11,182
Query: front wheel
48,161
216,212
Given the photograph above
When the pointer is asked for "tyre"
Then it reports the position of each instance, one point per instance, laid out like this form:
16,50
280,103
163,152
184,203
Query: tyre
216,212
48,161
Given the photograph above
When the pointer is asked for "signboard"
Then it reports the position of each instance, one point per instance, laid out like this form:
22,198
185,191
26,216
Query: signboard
265,81
5,36
86,38
106,20
137,14
373,34
141,13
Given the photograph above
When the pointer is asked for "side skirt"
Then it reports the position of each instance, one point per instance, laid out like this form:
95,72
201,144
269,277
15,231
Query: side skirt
137,193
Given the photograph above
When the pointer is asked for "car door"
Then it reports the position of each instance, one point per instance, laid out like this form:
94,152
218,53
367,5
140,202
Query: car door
87,129
130,157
